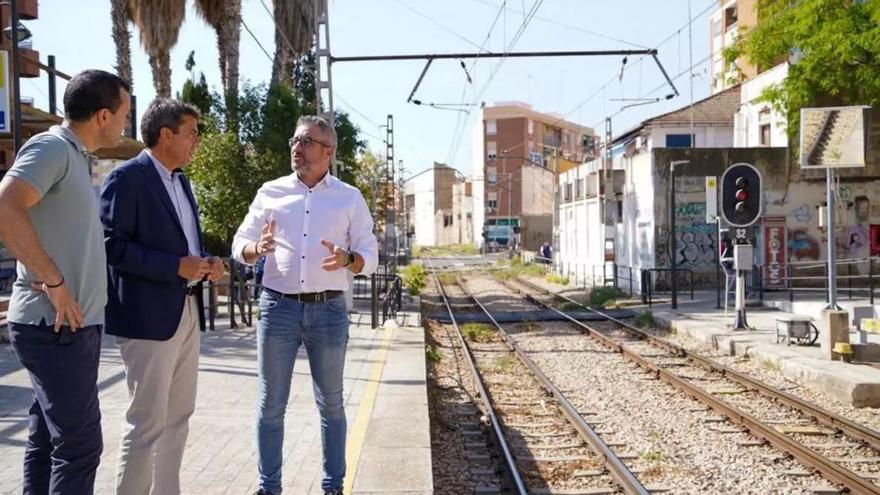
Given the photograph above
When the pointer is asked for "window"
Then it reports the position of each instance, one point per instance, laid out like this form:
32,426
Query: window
730,17
491,127
765,134
568,192
679,140
531,126
491,150
492,204
491,175
579,189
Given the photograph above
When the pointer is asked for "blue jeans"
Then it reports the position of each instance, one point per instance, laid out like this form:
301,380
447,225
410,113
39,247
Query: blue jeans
64,442
323,328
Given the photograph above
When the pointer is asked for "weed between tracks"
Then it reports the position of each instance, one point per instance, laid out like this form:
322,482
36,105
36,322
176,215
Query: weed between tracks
447,279
478,332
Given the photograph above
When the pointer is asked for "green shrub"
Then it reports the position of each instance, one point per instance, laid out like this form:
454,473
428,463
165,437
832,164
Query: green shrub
555,278
431,353
416,251
414,277
534,270
645,319
478,332
447,278
601,295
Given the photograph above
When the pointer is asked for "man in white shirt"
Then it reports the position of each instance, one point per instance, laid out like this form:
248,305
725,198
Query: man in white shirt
311,227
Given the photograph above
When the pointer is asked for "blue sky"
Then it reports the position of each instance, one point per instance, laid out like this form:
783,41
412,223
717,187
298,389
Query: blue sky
78,33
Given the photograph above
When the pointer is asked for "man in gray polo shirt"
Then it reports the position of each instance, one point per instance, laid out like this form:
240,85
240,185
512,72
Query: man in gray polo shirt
51,225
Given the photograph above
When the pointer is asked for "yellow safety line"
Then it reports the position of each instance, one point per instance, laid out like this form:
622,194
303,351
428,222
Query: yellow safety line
358,430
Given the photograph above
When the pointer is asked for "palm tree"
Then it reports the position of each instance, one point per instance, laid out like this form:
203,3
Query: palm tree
159,24
225,17
294,29
121,16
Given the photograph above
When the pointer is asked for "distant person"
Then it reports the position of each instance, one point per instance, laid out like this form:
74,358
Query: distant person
157,264
50,223
313,229
546,253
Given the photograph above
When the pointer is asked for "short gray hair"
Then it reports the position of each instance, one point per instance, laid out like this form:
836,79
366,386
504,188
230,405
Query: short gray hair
164,112
321,123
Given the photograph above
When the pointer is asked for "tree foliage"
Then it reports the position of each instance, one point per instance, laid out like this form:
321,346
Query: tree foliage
234,160
836,46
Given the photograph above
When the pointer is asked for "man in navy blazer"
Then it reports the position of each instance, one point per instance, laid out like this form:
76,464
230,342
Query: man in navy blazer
156,267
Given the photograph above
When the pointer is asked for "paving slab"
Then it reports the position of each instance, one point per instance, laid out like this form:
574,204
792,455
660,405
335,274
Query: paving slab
385,399
854,384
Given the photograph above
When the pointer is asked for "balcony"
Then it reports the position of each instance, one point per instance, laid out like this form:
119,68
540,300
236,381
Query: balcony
28,66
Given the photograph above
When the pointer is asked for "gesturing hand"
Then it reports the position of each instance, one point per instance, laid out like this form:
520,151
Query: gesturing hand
337,259
266,244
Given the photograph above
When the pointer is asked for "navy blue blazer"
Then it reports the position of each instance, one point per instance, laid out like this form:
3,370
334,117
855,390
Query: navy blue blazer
144,241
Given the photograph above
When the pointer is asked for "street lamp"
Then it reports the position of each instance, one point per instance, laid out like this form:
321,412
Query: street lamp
16,33
673,258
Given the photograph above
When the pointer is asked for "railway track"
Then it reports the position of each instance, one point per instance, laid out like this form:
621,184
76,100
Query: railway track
542,443
842,451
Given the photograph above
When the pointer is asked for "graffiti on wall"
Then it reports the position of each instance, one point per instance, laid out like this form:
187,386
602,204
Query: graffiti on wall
802,214
853,241
802,245
696,240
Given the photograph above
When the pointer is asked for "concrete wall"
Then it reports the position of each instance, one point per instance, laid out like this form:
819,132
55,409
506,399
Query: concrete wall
535,230
424,209
479,184
537,190
788,198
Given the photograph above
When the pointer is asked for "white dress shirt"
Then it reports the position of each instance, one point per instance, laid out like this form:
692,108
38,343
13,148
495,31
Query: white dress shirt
332,210
181,203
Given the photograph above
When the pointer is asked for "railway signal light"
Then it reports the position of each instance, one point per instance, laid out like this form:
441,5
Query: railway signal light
741,195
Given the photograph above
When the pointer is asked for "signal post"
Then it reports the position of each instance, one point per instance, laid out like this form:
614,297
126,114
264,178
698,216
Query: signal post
741,208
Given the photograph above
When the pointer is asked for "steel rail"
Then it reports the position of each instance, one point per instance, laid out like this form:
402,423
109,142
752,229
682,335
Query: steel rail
495,425
616,468
831,470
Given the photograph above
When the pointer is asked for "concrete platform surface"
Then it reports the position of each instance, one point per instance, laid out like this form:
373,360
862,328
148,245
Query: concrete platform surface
854,384
389,449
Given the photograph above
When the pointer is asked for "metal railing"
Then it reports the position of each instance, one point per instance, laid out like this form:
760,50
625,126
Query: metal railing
650,287
856,278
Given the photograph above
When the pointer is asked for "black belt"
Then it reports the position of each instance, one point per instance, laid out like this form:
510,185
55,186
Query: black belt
311,296
193,290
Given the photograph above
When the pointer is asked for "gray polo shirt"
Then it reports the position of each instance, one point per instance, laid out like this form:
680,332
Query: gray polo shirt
56,164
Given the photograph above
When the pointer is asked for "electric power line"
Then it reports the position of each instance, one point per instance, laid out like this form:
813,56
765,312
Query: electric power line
567,26
432,21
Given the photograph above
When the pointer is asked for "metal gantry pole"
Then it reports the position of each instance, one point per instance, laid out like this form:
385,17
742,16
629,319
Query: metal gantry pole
832,247
673,255
389,182
323,76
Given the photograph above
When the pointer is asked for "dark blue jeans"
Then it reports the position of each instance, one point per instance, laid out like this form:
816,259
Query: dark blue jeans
64,441
322,327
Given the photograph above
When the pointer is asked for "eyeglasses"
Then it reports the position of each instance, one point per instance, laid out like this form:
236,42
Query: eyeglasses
305,141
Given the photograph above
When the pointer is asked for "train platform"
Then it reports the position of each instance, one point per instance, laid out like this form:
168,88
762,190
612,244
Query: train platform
389,444
853,384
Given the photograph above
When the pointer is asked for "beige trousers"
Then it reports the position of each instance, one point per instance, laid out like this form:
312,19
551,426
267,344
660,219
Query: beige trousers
161,377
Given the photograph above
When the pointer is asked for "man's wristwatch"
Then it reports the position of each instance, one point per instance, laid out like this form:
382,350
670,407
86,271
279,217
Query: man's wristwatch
349,260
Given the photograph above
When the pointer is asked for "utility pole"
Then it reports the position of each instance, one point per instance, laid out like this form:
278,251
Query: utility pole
323,82
389,183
